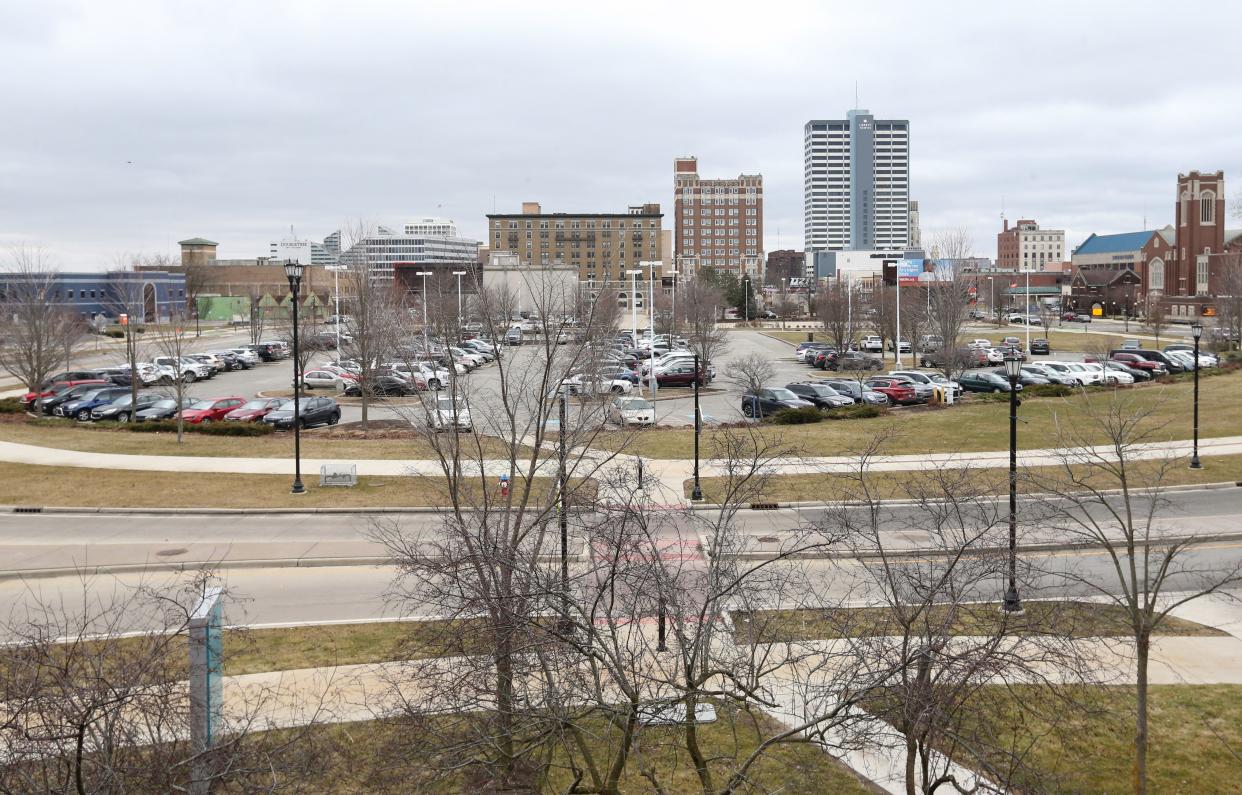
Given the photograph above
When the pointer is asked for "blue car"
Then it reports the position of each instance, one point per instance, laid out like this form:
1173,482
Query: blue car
82,407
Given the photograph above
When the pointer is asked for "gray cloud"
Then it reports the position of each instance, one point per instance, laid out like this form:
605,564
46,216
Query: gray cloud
130,125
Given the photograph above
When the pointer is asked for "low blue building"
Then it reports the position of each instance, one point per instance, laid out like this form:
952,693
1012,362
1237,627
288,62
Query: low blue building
148,296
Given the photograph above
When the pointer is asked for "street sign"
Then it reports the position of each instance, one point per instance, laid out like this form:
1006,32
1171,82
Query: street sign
206,687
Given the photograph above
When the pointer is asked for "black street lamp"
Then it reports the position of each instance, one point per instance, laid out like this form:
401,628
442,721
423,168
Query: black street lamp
1196,329
696,494
1013,368
293,270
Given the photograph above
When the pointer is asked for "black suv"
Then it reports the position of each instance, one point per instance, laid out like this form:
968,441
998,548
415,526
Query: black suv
851,360
822,395
311,411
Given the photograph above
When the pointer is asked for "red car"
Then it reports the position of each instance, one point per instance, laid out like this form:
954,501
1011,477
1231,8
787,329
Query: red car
254,410
894,389
1139,363
211,409
56,387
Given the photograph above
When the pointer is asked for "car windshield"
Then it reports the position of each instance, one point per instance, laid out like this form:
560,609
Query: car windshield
164,404
122,400
783,394
446,404
637,404
201,405
253,404
92,394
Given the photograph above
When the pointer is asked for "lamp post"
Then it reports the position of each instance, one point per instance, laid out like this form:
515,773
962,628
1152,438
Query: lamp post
696,494
1013,368
293,271
633,273
673,320
426,344
459,274
746,299
336,297
562,485
1196,330
992,299
655,385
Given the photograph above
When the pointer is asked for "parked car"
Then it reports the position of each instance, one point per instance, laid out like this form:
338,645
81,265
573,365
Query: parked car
681,373
871,343
771,400
1025,377
449,414
51,390
1040,347
856,391
253,410
211,409
190,370
851,360
80,407
164,409
320,378
209,359
820,394
1133,360
958,357
1049,374
122,408
804,348
929,381
898,390
903,343
246,355
513,336
1109,375
383,386
626,411
984,381
597,384
1138,374
1079,317
312,411
1170,363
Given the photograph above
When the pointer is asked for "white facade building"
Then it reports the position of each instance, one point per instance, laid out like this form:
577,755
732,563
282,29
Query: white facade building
307,252
856,189
436,227
384,249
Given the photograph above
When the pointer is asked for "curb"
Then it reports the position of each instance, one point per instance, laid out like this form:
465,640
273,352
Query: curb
414,509
770,506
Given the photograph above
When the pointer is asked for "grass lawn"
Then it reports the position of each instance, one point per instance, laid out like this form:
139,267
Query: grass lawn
376,757
22,484
1195,733
896,485
316,443
1076,619
974,426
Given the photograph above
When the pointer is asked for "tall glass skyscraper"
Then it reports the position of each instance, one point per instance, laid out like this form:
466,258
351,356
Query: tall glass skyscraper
857,183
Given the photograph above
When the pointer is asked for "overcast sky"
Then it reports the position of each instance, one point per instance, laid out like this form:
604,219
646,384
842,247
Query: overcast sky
128,126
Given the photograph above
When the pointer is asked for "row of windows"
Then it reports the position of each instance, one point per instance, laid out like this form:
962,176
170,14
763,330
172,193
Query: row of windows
607,224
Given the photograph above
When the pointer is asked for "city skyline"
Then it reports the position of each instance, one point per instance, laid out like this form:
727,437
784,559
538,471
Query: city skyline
239,149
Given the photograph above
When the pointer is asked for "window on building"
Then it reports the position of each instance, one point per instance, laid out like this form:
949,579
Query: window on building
1155,275
70,294
1207,207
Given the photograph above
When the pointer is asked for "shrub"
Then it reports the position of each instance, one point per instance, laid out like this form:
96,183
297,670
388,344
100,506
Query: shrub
858,411
799,416
11,406
212,429
115,333
1045,390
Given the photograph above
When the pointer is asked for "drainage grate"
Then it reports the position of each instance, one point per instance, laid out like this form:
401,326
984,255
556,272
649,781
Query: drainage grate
28,509
763,506
169,553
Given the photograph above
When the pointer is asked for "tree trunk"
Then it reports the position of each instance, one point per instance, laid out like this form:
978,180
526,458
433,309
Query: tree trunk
912,753
1140,728
504,711
692,747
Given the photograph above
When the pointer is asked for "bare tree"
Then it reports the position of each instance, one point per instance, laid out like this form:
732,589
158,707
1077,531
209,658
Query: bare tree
698,301
33,323
835,306
1110,492
882,313
169,340
258,315
949,297
1228,300
751,373
376,315
1156,317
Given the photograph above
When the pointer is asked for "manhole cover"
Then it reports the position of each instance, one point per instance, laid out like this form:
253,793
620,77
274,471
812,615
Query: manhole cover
170,553
768,539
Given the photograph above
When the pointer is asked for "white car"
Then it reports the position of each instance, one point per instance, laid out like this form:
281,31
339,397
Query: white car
449,414
1085,374
584,384
433,374
931,380
980,344
245,354
995,356
190,369
321,378
872,344
1109,375
468,358
626,411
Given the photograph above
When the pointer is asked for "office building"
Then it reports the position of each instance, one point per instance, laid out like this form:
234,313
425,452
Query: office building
916,235
856,183
145,295
384,250
436,227
784,264
307,252
1026,247
718,222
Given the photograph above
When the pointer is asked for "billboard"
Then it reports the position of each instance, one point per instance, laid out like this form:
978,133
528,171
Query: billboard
909,272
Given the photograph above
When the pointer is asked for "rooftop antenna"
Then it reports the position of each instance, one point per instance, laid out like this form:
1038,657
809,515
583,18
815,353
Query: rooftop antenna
855,95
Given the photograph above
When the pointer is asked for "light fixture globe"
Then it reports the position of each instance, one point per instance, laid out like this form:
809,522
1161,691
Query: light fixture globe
1196,329
1013,366
294,269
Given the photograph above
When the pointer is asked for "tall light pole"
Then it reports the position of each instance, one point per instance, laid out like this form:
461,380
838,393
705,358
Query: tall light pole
655,386
633,273
1196,330
746,299
426,344
1026,311
336,296
459,274
784,301
293,271
673,321
992,299
1013,368
696,494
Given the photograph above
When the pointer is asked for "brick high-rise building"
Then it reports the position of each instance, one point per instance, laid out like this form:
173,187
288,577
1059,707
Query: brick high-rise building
719,222
1026,247
601,246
